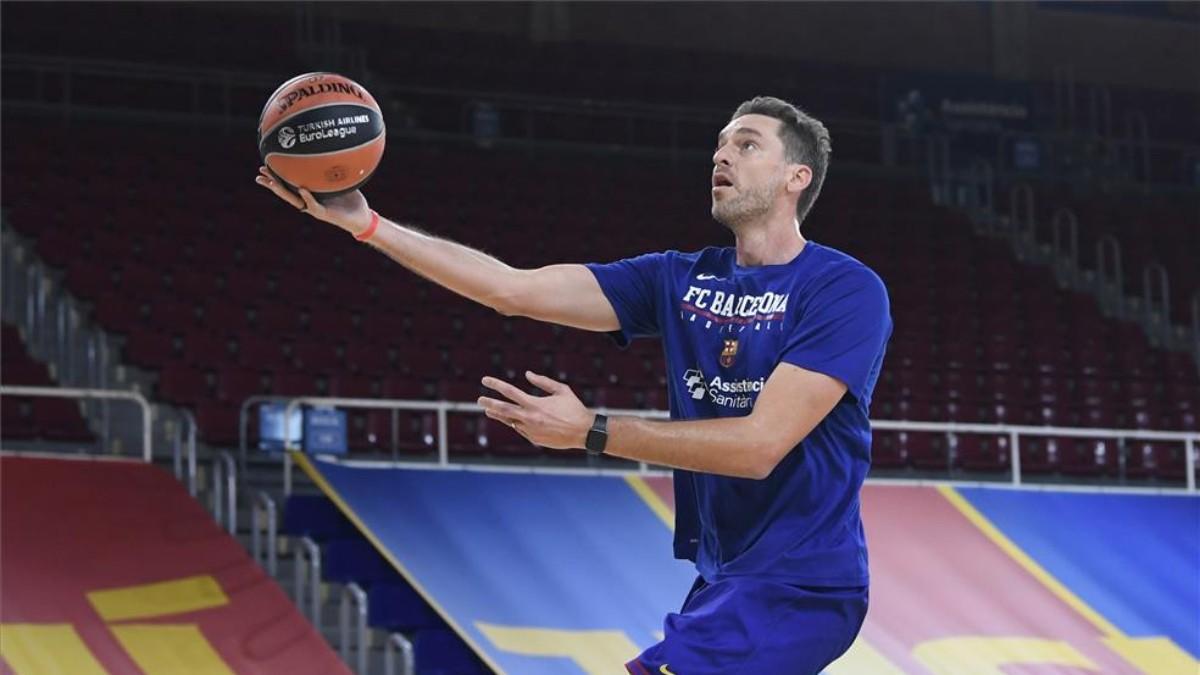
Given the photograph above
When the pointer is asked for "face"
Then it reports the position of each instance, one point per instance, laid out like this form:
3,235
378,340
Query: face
750,171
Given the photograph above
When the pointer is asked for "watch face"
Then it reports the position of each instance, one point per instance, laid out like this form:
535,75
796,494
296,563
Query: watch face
596,440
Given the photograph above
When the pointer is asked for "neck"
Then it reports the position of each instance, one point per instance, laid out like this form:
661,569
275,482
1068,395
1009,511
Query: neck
772,241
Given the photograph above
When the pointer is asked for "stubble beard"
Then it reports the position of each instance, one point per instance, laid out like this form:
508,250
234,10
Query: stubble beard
743,208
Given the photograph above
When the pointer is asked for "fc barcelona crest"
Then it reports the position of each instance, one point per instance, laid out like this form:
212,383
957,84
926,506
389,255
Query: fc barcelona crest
729,353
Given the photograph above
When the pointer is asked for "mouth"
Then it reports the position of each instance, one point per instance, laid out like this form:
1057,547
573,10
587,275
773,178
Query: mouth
721,180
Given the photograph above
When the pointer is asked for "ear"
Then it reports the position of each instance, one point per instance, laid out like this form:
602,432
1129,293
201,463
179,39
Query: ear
799,178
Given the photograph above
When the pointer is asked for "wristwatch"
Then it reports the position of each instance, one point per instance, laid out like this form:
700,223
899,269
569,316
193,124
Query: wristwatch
597,436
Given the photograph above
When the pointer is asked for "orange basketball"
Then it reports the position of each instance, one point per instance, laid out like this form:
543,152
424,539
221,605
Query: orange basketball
323,132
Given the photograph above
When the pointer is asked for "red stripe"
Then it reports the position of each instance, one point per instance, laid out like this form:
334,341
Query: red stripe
641,670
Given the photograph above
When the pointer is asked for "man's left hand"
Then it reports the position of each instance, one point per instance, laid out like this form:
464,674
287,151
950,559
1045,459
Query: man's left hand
559,420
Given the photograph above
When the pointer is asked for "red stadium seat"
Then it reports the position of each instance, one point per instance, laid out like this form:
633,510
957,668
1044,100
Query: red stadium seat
467,435
118,313
217,424
1041,455
262,353
367,358
183,385
16,418
278,320
352,386
234,385
976,452
1155,459
887,451
1089,457
505,442
316,356
930,451
59,419
204,349
151,350
290,383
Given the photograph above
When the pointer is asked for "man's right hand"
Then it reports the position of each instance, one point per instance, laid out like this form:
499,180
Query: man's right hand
348,211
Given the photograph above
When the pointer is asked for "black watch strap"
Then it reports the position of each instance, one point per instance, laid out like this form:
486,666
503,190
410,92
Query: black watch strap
597,437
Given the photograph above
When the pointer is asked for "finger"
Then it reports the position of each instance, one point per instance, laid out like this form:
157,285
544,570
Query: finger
502,408
310,202
500,418
546,384
267,181
508,390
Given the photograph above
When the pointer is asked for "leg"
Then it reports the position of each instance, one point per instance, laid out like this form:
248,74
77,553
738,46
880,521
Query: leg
752,626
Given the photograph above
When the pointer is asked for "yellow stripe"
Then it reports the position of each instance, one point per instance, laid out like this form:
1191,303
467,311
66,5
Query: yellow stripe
46,649
1053,585
171,649
147,601
303,462
656,503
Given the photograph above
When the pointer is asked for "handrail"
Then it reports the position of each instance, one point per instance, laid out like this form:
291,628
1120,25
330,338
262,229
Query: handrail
1196,325
407,662
937,154
440,408
177,453
1066,236
983,178
104,394
352,592
263,504
1064,97
1138,132
228,510
244,419
1024,225
1154,277
1014,432
1108,243
1100,110
309,550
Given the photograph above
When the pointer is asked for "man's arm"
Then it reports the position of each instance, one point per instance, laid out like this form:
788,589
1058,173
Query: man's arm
563,294
793,401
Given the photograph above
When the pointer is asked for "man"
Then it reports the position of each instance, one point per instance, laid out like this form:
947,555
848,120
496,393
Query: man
773,348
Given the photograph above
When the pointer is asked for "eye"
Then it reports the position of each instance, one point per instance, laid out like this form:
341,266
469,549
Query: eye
749,144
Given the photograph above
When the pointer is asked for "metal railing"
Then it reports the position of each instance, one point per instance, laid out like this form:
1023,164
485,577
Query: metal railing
1110,277
1189,439
441,408
1156,296
177,451
306,579
398,642
264,509
1196,326
102,394
353,594
224,490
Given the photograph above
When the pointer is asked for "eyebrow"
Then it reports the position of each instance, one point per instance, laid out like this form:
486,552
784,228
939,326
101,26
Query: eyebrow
739,130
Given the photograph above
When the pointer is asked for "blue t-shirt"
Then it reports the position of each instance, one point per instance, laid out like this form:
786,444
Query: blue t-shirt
724,329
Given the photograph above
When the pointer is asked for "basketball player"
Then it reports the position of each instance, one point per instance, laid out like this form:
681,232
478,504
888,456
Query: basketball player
773,348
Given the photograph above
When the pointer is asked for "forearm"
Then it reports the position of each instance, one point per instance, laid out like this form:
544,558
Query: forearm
733,446
464,270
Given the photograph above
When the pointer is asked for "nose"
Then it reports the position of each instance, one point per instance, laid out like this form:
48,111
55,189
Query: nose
720,157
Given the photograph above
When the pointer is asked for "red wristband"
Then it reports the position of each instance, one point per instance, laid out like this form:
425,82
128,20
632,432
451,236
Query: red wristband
366,234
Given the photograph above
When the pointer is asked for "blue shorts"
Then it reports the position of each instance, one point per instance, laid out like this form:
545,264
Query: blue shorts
747,625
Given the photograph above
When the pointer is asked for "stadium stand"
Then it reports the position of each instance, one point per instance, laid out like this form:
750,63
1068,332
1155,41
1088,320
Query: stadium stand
26,418
223,318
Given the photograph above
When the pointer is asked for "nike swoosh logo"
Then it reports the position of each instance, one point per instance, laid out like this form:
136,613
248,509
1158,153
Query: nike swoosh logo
706,277
663,669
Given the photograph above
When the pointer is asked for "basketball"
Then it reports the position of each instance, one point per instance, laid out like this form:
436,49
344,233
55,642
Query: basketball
323,132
